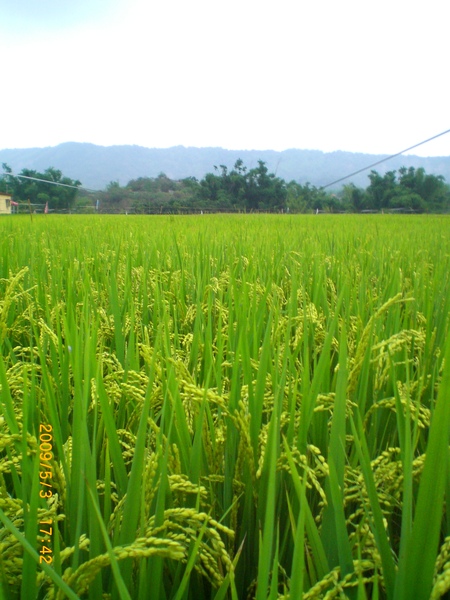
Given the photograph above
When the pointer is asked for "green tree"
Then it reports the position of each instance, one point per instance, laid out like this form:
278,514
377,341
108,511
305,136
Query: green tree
354,197
50,186
265,190
309,198
430,188
252,189
209,189
114,194
413,190
381,190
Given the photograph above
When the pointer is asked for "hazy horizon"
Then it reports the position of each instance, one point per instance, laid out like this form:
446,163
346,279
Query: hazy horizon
411,153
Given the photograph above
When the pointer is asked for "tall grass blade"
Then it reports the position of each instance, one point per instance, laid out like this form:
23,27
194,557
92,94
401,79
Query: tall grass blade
420,556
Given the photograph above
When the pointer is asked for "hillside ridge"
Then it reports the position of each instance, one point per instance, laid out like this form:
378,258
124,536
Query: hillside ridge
96,166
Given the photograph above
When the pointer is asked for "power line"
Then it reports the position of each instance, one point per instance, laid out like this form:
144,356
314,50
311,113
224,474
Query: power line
47,181
76,187
384,160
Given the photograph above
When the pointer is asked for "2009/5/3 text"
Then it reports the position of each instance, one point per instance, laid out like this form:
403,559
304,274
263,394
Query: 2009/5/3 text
45,477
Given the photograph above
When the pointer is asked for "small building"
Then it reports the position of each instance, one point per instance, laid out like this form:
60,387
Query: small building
5,204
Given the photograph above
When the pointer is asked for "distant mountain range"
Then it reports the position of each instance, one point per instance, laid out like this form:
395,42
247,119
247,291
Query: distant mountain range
96,166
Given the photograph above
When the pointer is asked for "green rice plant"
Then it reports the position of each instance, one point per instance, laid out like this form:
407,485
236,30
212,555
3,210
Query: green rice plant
242,406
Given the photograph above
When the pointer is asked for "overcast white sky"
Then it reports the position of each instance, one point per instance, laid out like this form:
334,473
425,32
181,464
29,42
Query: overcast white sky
354,75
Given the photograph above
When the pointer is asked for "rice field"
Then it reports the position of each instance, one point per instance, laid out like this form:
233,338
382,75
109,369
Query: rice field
224,407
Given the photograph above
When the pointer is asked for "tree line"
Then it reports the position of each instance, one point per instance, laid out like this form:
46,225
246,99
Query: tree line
40,188
235,189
